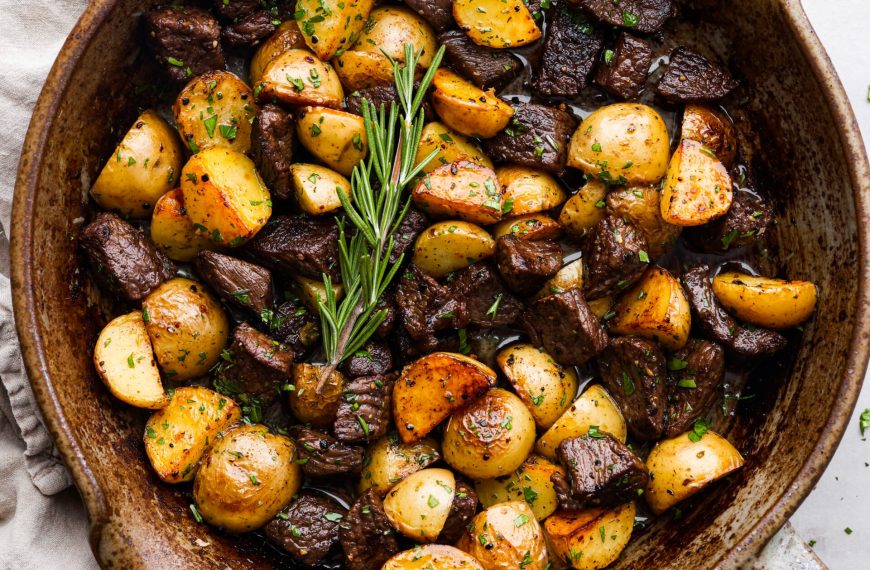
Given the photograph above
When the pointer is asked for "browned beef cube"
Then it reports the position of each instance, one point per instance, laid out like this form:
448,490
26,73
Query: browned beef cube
234,9
272,148
645,16
462,510
439,13
526,265
373,359
745,222
251,29
565,326
387,303
123,259
633,371
623,69
185,40
294,325
259,366
694,375
615,257
411,226
485,67
364,411
308,527
366,535
601,471
489,302
298,245
692,78
426,308
235,281
570,50
322,455
537,136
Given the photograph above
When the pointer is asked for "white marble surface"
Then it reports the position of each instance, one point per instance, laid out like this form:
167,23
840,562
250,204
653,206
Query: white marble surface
841,498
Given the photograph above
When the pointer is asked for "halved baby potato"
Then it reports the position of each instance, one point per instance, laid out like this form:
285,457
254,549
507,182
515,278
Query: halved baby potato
496,23
532,227
298,77
461,189
452,245
569,277
466,108
528,190
595,407
389,460
125,363
224,196
450,146
592,538
286,36
313,291
713,129
433,387
655,308
173,232
307,404
697,189
177,435
328,28
335,137
682,466
601,306
215,109
363,70
316,188
146,164
419,504
530,483
765,301
432,557
641,205
506,537
585,209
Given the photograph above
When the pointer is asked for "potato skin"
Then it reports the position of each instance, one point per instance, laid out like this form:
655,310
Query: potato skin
506,536
450,146
528,190
312,291
419,504
326,34
655,308
530,483
532,227
172,231
287,36
388,461
461,189
145,165
496,24
570,276
335,137
316,188
595,407
451,245
432,556
712,128
246,478
765,301
697,189
466,108
491,437
544,386
576,538
187,326
297,77
306,404
621,142
584,209
641,205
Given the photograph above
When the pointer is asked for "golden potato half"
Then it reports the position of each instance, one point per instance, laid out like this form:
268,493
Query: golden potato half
506,536
764,301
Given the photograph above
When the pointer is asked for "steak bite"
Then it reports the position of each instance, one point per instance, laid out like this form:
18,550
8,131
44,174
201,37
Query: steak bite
230,10
565,327
695,373
364,410
294,325
462,510
322,455
692,78
373,359
235,281
615,257
272,148
721,327
624,69
251,29
745,223
633,371
439,13
526,265
426,308
366,535
307,528
298,245
570,50
123,259
258,366
537,136
185,40
407,232
602,471
645,16
485,67
489,302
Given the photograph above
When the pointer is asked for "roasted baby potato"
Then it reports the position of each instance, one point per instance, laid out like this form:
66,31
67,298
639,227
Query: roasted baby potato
491,437
595,407
764,301
172,231
313,291
388,461
246,478
466,108
433,387
622,142
641,205
546,387
592,538
177,435
655,308
584,209
697,189
287,36
461,189
506,537
601,306
215,109
530,483
432,557
145,165
328,29
527,190
298,77
450,146
419,504
713,129
309,406
449,246
682,466
187,326
316,188
224,196
335,137
363,70
125,363
570,276
532,227
496,24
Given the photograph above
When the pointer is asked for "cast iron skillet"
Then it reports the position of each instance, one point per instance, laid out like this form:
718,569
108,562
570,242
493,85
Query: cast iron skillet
816,169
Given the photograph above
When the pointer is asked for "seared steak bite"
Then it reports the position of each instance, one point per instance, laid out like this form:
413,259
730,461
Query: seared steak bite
373,359
645,16
439,13
462,510
322,455
272,148
427,307
364,411
695,373
258,366
633,371
537,136
366,535
615,259
238,282
484,66
298,245
230,10
488,301
565,327
250,30
623,70
692,78
526,265
570,51
185,40
294,325
411,226
307,528
123,259
745,223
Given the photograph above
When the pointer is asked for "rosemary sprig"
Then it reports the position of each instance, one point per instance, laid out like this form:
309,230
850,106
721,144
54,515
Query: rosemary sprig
377,208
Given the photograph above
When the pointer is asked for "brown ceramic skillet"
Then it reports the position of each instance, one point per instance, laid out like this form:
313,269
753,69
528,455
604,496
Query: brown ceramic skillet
817,171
